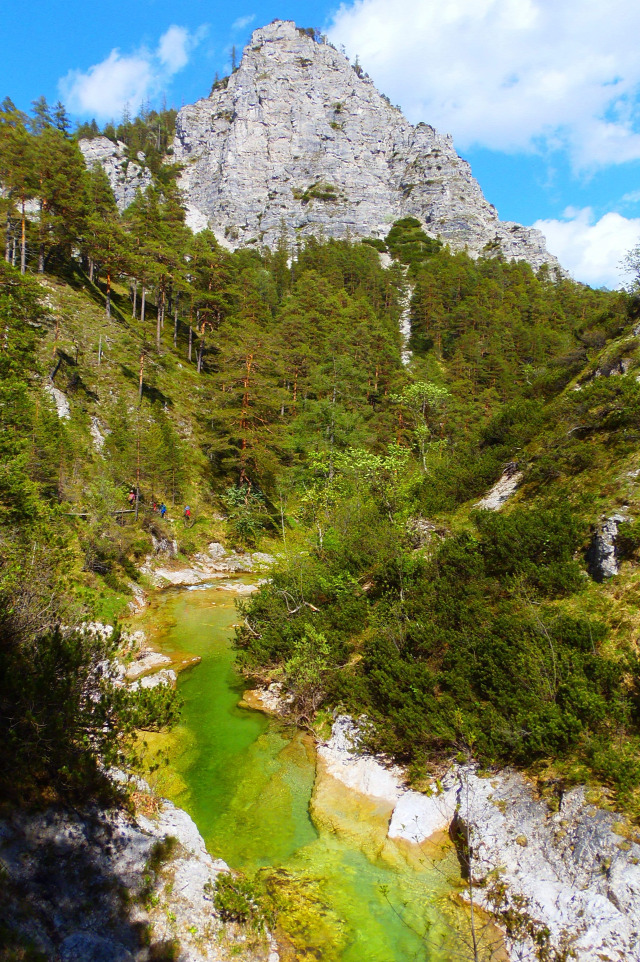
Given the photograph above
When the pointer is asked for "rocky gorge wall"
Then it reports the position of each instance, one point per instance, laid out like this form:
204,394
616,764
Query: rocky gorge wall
562,881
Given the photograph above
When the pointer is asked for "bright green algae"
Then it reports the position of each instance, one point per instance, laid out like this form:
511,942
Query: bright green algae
347,893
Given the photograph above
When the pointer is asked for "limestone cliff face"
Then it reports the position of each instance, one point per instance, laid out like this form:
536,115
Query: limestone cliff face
125,176
297,138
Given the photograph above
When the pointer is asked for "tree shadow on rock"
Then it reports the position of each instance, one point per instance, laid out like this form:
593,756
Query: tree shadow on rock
73,883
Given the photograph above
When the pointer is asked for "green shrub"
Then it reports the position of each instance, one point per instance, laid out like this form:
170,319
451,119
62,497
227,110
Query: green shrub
240,899
408,242
375,242
628,539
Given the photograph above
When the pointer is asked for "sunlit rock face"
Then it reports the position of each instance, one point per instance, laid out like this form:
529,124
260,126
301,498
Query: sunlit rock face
297,142
125,175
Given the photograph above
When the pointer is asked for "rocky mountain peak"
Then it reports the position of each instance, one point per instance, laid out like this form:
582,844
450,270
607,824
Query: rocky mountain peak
297,138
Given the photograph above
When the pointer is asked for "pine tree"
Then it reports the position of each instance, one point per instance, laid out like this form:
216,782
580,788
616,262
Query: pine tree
249,363
61,173
41,117
106,241
101,212
210,287
16,172
61,119
140,221
155,222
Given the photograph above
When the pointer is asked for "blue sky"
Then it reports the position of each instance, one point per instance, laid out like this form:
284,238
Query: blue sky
542,96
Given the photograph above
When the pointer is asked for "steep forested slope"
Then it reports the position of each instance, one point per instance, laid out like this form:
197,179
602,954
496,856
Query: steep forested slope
490,639
265,389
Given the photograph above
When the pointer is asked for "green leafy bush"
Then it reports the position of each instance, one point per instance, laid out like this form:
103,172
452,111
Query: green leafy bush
240,899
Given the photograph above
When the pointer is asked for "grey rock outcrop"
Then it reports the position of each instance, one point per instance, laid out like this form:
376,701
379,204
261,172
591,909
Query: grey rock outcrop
504,488
101,886
423,532
97,435
165,546
59,399
602,557
125,176
570,879
405,325
296,138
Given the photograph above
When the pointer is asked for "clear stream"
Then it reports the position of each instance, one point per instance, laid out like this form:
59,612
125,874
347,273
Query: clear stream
247,780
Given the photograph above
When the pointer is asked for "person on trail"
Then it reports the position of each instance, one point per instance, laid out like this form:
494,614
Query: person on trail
187,513
163,510
154,507
131,497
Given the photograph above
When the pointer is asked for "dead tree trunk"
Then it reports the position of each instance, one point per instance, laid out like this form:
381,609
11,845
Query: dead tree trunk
7,245
23,248
175,323
140,378
201,353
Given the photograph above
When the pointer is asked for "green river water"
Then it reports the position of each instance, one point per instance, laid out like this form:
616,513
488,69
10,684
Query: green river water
349,894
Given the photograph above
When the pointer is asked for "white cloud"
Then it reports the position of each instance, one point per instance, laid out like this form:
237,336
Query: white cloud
243,22
104,89
508,74
632,197
593,251
173,49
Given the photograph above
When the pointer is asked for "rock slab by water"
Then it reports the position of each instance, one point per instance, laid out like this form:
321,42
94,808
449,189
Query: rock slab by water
571,876
566,881
77,886
205,566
